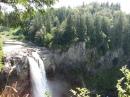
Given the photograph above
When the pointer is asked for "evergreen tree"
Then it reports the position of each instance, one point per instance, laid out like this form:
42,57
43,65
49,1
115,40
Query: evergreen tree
90,30
48,24
69,33
81,28
126,45
119,29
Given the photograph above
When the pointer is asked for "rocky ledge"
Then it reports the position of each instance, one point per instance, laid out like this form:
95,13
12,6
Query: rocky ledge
16,68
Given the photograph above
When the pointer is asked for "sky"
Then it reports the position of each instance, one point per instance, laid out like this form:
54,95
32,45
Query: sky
125,4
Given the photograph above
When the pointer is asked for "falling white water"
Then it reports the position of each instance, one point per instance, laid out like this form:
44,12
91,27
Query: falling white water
38,76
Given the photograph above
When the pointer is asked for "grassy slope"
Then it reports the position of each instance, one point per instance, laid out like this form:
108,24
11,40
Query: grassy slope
13,34
10,34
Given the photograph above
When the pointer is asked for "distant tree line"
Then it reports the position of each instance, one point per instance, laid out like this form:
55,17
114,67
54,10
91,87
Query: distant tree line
103,26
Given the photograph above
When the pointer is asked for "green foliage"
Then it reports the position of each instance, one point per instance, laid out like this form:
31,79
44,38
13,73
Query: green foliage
23,11
102,26
78,70
82,92
47,94
69,33
103,80
126,45
39,37
81,28
47,39
123,85
16,34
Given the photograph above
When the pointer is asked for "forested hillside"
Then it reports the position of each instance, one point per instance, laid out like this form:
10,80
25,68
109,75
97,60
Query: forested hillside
103,26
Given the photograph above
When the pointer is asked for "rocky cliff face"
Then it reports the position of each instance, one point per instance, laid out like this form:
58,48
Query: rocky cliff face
78,54
57,64
78,63
16,70
75,54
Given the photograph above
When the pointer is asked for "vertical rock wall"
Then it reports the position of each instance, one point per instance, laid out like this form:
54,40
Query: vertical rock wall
78,54
75,54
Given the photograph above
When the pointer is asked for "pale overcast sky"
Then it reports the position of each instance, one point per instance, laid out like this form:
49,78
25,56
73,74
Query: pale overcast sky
125,4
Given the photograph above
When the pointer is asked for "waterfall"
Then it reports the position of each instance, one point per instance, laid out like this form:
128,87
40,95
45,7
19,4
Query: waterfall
38,76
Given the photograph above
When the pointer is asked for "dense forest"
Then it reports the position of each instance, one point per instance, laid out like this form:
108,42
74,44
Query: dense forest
103,26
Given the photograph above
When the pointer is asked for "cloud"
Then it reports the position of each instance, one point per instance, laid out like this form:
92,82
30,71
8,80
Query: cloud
73,3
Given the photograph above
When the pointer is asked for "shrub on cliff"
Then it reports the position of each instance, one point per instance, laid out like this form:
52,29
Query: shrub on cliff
123,85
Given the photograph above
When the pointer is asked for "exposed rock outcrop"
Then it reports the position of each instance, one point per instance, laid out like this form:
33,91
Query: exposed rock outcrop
48,58
78,54
16,69
75,54
80,61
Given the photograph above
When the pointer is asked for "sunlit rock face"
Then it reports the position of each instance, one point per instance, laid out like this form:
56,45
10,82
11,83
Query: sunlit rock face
47,57
78,54
16,65
75,54
16,69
